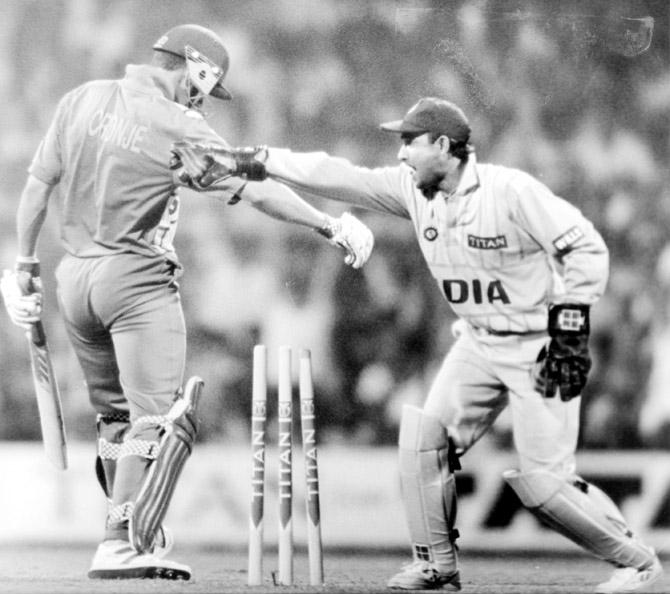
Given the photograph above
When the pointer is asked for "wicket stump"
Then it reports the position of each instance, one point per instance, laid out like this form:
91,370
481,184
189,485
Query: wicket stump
285,419
258,426
285,467
314,545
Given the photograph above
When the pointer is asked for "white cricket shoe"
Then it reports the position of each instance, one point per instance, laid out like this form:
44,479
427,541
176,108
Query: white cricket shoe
421,575
117,560
631,579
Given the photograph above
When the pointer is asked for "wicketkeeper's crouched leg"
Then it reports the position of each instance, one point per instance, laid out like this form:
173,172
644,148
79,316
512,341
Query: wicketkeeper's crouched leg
427,463
583,513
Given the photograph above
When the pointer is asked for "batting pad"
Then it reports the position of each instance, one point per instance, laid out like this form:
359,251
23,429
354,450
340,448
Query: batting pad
175,448
581,512
428,487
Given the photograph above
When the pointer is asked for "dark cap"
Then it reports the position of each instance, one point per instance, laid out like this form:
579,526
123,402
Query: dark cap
433,115
204,41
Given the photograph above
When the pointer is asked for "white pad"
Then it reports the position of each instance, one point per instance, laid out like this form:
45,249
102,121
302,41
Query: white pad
581,512
428,487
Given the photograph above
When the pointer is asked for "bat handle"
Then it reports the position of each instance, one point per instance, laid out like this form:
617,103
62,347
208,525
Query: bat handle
37,334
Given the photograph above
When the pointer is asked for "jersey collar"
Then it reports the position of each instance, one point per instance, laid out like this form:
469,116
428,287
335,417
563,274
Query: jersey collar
149,79
469,179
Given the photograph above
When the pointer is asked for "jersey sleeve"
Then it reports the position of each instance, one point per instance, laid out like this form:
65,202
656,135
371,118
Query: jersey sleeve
47,161
576,247
321,175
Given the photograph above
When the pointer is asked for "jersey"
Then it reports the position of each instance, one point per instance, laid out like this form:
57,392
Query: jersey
501,247
108,146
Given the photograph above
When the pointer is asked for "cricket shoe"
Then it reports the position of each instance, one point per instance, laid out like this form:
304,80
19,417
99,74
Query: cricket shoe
117,560
421,575
631,579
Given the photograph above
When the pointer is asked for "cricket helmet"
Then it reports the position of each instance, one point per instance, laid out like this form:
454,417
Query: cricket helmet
206,57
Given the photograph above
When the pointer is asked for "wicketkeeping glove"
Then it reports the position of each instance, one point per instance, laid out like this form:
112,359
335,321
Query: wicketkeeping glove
22,293
195,167
564,363
348,233
200,166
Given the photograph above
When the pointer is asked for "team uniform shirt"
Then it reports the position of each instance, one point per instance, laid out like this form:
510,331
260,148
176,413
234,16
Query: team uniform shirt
108,147
501,246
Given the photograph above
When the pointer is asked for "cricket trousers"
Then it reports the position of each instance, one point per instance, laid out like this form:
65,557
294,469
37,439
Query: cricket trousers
481,375
124,318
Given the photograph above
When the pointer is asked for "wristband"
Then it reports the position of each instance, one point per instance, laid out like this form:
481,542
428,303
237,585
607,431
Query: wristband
569,318
248,166
328,229
29,264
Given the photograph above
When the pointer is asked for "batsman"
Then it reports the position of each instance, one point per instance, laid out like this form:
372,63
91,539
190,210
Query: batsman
108,151
521,268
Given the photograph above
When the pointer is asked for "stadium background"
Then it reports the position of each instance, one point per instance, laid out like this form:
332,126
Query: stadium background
568,91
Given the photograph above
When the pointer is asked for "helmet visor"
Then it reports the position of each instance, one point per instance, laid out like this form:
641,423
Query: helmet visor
204,74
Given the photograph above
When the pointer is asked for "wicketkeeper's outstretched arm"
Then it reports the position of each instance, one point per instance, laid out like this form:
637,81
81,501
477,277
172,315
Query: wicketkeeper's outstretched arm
196,167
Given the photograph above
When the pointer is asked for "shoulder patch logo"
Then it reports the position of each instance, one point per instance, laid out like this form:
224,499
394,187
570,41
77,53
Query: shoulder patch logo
487,243
570,237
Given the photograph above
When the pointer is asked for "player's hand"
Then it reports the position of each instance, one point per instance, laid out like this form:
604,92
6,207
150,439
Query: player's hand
348,233
564,363
195,166
200,166
22,294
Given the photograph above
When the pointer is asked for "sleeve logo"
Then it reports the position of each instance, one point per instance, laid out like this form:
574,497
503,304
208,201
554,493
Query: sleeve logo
569,238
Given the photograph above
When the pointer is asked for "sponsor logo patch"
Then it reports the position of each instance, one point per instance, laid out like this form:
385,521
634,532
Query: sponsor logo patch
430,233
572,235
487,243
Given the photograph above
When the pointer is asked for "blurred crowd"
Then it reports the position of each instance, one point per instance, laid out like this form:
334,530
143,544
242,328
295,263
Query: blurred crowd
576,93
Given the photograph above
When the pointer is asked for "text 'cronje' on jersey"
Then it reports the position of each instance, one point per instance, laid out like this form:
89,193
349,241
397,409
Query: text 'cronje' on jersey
111,127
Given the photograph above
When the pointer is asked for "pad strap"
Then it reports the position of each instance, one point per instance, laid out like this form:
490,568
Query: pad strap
110,427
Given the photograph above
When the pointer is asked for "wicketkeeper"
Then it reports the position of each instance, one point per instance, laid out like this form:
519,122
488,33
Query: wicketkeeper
108,148
521,268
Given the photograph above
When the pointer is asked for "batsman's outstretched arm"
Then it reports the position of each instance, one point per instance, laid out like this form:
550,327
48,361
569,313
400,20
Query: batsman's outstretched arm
280,202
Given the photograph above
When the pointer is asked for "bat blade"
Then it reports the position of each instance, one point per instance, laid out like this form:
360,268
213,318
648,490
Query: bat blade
48,398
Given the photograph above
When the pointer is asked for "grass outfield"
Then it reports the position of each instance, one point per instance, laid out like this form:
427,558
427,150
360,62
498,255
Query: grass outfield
32,569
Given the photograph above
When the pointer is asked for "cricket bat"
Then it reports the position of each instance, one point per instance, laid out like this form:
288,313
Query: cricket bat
48,397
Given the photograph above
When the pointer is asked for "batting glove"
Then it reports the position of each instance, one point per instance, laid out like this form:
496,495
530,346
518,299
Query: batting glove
348,233
22,293
564,363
